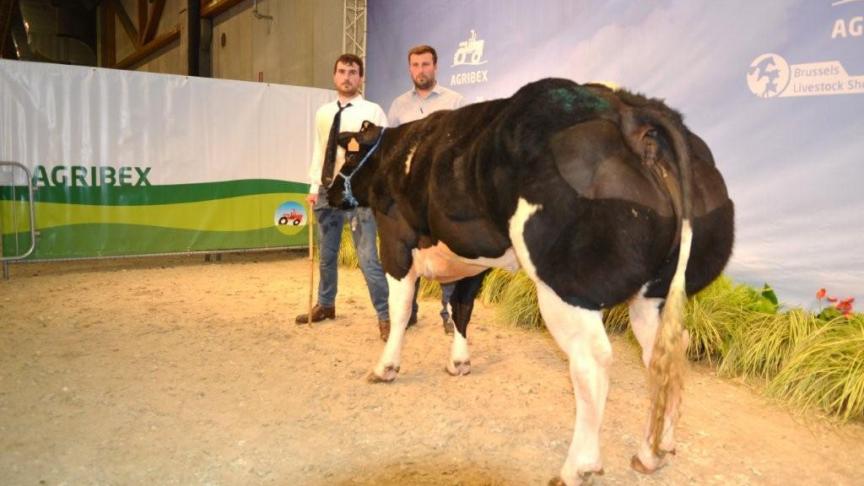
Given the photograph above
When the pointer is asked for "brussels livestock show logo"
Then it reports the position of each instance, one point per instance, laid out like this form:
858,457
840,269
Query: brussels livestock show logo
469,53
770,76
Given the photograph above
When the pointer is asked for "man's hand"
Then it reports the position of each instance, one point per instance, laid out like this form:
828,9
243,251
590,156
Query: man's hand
312,199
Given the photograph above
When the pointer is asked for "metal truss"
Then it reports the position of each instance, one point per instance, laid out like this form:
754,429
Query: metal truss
354,38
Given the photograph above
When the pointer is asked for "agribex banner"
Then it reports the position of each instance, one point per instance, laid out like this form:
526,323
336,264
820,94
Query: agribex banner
130,163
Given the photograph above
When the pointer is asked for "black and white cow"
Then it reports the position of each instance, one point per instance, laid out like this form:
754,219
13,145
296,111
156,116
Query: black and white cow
601,196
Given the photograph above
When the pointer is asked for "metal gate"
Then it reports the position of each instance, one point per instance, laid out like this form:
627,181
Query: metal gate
16,211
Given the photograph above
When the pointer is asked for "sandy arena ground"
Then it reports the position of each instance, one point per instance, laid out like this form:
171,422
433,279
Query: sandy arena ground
178,371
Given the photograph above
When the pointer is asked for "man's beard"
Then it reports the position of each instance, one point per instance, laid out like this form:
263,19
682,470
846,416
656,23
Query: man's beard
348,91
424,83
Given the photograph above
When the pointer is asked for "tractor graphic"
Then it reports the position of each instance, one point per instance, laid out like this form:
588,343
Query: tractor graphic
293,216
470,51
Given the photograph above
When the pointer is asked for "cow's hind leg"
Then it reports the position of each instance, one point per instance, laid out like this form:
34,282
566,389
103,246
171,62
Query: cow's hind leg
461,305
645,320
580,333
399,302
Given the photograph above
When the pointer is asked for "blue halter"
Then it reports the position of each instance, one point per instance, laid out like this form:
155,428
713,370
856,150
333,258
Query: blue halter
346,192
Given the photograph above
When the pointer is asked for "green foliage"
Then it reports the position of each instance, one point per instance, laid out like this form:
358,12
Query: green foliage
617,319
519,303
494,285
762,345
429,289
826,370
762,301
347,253
713,314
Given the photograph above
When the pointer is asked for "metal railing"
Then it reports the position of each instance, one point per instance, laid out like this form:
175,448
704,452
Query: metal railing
14,222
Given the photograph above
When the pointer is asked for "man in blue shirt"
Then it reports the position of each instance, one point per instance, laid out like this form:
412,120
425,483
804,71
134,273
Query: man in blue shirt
426,97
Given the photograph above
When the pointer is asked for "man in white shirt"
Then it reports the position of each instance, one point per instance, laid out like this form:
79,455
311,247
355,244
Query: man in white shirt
426,97
348,111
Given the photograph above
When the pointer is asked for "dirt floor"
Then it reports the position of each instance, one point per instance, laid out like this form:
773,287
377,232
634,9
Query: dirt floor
178,371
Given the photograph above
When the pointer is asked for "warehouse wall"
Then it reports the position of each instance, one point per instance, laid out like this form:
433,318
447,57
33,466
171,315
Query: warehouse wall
296,46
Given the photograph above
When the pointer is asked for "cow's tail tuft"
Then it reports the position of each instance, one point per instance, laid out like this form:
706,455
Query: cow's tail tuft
668,359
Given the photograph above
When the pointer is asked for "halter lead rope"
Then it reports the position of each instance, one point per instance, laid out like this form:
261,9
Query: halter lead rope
346,192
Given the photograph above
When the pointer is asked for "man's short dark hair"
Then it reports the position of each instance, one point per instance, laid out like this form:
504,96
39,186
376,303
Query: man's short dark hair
423,49
349,59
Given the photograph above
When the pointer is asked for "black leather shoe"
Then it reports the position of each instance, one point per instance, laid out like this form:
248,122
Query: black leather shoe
384,329
319,313
448,325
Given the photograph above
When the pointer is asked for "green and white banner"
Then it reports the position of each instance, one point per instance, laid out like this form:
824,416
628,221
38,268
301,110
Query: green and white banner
130,163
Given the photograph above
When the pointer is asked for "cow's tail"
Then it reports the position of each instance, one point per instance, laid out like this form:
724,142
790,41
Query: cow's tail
668,359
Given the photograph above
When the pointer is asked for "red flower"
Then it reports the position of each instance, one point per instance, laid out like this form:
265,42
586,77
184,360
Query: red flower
821,294
832,299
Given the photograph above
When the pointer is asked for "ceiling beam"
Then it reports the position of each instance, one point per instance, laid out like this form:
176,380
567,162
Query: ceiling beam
108,34
142,18
149,49
127,24
153,20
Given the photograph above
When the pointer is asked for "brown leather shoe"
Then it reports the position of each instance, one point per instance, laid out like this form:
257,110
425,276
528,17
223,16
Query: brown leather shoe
319,313
384,329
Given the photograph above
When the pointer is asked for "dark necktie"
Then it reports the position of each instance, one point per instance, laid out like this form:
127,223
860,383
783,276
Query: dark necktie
327,170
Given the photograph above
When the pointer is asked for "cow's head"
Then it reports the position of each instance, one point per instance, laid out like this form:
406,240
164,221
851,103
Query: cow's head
349,187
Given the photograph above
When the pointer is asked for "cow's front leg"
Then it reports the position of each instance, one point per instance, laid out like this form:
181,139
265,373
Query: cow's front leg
461,306
645,320
400,299
580,333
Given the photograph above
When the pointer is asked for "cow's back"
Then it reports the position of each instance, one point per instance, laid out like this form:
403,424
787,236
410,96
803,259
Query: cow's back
608,225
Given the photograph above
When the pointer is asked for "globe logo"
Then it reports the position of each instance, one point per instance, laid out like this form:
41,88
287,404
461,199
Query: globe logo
290,217
768,75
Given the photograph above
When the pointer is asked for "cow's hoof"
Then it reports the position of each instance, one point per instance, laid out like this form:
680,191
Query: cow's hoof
637,465
459,368
583,478
387,376
658,462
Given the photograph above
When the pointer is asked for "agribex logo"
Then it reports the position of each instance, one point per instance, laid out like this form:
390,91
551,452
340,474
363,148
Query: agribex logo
469,53
848,26
90,176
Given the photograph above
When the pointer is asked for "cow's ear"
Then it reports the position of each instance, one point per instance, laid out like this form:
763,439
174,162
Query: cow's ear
365,126
353,145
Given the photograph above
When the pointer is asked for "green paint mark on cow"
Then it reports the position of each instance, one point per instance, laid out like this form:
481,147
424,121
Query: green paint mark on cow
578,98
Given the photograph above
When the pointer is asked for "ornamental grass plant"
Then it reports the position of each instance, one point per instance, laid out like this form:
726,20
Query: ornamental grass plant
713,315
519,303
494,285
826,370
762,344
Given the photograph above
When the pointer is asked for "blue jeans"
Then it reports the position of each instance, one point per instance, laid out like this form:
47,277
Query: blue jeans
446,292
363,231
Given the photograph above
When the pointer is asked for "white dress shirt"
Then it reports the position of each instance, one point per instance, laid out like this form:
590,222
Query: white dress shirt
351,121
